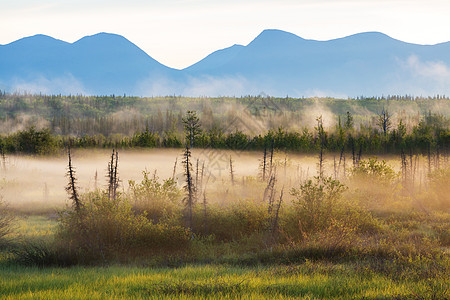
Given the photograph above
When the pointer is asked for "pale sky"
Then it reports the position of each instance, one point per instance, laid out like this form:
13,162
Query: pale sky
179,33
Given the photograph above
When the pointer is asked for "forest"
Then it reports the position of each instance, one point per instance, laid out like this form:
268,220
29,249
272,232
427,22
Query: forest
39,124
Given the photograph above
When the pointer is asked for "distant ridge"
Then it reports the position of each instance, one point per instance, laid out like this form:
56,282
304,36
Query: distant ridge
276,62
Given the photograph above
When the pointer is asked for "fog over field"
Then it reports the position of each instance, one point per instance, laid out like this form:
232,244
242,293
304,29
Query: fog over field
33,183
36,184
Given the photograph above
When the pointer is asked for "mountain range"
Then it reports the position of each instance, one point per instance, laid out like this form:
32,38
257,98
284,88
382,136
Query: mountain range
276,63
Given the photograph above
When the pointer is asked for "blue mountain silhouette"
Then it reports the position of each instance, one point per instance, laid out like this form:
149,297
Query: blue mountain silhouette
368,63
102,63
275,62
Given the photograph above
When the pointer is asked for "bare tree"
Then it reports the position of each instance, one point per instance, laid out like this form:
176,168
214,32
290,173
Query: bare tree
271,156
384,121
189,200
113,178
231,171
174,168
277,213
71,186
263,164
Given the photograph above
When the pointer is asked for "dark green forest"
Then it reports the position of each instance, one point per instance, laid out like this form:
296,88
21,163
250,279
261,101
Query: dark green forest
44,124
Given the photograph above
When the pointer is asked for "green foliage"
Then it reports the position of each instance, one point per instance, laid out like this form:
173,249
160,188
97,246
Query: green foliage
349,123
145,139
375,186
372,169
106,229
30,141
192,127
224,123
160,201
316,202
171,140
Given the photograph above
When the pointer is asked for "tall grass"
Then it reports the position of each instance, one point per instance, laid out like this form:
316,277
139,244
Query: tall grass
6,225
310,280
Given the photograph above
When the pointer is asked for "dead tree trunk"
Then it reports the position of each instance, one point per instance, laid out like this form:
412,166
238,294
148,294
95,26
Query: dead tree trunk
231,171
190,187
71,187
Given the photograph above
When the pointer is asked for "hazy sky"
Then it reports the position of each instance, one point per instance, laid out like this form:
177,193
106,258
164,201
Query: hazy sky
178,33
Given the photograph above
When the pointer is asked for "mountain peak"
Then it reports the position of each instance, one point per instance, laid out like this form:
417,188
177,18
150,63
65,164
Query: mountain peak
271,36
369,36
104,38
37,39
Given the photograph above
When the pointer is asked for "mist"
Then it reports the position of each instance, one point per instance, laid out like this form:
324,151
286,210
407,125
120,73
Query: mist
37,184
32,184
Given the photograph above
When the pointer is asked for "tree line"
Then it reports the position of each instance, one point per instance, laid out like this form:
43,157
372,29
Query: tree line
430,135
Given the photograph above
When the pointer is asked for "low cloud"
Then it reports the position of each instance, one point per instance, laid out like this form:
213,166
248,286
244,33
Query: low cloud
197,86
436,70
310,113
421,77
22,122
66,84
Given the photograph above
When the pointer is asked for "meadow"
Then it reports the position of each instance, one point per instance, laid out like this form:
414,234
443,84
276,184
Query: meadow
379,240
363,213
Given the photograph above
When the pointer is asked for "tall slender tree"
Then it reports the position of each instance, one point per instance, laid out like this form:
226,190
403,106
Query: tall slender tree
192,127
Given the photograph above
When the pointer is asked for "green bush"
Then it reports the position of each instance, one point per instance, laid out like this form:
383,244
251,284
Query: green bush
374,185
374,170
159,200
316,202
34,141
105,229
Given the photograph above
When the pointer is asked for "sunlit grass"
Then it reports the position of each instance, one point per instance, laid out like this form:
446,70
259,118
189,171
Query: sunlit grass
308,281
33,227
358,279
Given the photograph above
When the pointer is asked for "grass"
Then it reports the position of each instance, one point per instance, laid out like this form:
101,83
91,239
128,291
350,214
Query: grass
306,281
34,227
228,278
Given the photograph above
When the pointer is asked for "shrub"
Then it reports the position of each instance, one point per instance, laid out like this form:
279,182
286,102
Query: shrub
105,229
35,141
374,185
158,200
44,254
316,202
145,139
372,169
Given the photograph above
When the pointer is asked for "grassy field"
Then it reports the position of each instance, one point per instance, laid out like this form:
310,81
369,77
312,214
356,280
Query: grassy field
254,278
307,281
